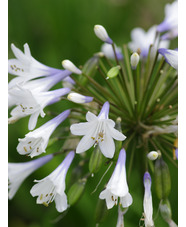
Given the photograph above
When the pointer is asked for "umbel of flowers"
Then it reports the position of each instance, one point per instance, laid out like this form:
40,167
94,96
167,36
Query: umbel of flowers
118,113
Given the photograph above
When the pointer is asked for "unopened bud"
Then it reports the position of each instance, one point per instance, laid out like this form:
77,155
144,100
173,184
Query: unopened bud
162,179
70,66
134,59
113,72
96,160
76,191
78,98
153,155
101,33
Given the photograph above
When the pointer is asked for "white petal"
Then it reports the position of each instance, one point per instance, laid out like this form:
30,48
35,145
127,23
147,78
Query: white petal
90,116
27,50
61,202
116,134
33,121
127,200
82,128
108,197
18,53
107,146
85,143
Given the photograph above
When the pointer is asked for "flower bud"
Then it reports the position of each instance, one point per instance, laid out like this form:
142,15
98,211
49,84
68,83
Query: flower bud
113,72
165,210
101,33
70,66
78,98
162,179
76,191
134,59
96,160
153,155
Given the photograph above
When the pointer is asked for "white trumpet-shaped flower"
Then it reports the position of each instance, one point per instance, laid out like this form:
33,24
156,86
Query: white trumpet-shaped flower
33,103
18,172
78,98
25,66
35,142
36,85
171,56
142,40
52,187
98,130
102,34
117,185
147,201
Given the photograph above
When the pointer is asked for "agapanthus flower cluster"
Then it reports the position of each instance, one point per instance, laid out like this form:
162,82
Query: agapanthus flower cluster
121,109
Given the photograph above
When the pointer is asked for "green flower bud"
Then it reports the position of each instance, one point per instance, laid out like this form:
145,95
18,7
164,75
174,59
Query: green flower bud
165,210
162,179
101,211
76,191
113,72
96,160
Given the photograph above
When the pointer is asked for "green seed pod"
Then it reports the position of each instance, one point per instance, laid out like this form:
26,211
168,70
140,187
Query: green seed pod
113,72
101,211
162,179
76,191
165,210
96,160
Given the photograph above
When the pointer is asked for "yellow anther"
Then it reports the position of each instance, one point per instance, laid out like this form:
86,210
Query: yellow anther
45,204
25,149
41,197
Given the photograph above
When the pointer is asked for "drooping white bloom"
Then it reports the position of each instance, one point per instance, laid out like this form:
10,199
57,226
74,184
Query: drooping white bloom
117,185
35,142
147,201
107,50
18,172
98,130
36,85
78,98
142,40
152,155
71,67
33,103
52,187
171,56
102,34
25,66
134,59
171,18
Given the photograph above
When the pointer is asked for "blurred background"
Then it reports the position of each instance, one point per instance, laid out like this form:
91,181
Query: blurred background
63,29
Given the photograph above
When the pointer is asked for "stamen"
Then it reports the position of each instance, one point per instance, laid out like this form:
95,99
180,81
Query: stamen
45,204
41,197
25,149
